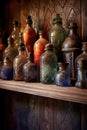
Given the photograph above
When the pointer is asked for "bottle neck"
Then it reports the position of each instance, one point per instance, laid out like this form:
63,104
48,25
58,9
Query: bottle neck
73,31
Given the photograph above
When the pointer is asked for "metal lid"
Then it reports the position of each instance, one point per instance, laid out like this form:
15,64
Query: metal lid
57,19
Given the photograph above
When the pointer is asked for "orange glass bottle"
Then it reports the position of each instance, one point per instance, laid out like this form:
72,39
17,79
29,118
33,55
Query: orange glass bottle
39,48
29,35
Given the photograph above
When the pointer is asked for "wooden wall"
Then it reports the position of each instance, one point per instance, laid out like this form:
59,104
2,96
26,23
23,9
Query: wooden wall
27,112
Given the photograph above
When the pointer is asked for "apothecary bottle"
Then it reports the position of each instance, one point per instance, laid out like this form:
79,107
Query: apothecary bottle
15,33
30,70
57,36
81,68
81,74
71,49
48,65
7,69
19,61
39,46
29,35
63,76
10,51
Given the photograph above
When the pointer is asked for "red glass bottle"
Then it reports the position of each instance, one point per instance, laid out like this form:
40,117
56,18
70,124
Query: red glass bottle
39,48
29,35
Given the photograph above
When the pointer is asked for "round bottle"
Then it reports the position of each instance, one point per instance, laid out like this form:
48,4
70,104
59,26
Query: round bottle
15,34
63,77
19,61
57,36
29,35
39,46
10,51
48,65
30,70
71,49
7,70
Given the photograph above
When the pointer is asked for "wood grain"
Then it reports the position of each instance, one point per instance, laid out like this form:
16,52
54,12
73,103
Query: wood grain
72,94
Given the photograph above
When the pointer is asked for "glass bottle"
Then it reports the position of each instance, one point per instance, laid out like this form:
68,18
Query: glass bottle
63,77
81,68
71,49
57,36
15,34
7,70
39,46
30,70
81,73
29,35
48,65
10,51
19,61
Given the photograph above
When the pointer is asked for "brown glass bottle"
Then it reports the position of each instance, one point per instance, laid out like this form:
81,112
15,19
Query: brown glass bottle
71,49
10,51
29,35
19,61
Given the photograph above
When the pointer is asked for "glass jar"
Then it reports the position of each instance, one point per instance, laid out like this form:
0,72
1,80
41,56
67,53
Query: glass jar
7,70
29,35
19,61
10,51
57,36
81,73
71,49
15,34
30,70
48,65
63,76
81,68
39,46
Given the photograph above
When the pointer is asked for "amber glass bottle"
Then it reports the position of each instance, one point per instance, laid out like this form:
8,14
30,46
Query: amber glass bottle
10,51
15,33
39,48
19,61
29,35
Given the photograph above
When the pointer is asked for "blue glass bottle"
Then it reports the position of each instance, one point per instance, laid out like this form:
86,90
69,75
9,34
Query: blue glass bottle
63,76
7,70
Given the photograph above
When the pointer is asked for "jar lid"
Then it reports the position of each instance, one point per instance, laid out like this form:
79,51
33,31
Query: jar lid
84,47
57,19
73,25
29,20
48,46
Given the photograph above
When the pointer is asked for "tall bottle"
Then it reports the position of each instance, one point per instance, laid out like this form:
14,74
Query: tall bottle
48,65
81,68
71,49
10,51
29,35
15,33
39,46
57,36
19,61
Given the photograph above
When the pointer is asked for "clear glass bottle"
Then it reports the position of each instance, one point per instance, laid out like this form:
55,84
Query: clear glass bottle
81,68
39,46
10,51
7,70
29,35
30,70
15,33
63,76
48,65
19,61
57,36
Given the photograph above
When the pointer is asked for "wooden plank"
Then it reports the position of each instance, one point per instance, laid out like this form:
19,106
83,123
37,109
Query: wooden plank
72,94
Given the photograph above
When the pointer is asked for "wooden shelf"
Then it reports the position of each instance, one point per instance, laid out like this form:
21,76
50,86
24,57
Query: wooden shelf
52,91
